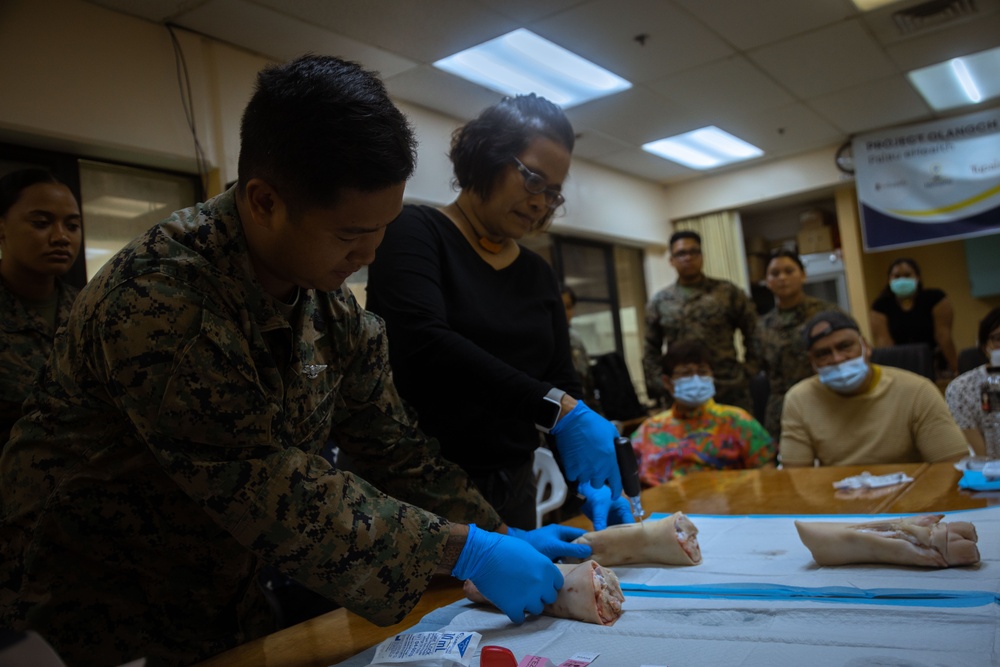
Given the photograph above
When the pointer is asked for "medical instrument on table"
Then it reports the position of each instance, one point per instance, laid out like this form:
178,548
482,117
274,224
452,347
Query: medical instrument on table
629,469
866,480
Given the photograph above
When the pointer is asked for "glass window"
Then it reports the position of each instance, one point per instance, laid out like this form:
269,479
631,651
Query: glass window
120,203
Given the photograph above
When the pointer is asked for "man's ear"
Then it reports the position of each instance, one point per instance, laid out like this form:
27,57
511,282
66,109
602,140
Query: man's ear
868,350
263,202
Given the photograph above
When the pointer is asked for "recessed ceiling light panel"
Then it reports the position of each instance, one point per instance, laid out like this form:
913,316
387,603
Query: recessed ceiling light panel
521,62
960,81
703,148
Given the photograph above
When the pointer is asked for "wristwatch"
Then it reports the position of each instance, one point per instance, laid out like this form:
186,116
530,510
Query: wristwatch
548,410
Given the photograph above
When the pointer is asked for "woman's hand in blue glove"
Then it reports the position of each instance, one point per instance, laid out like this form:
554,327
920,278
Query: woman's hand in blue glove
600,509
554,541
511,573
586,443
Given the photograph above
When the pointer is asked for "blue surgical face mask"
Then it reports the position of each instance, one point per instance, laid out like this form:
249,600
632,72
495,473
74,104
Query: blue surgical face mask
903,287
694,390
846,376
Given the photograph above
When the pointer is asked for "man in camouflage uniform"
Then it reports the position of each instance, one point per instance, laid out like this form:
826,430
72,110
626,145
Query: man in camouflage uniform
173,447
40,234
703,309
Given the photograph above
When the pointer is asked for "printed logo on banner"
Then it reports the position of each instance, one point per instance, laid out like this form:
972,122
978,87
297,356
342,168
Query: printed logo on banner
929,182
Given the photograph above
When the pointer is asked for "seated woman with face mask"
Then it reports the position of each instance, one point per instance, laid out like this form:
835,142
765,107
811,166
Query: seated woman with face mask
697,433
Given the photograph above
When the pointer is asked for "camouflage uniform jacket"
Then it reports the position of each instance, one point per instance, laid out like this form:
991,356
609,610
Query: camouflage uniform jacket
25,342
709,312
782,355
173,448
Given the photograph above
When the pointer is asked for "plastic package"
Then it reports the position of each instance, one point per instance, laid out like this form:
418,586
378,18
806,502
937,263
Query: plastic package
866,480
427,649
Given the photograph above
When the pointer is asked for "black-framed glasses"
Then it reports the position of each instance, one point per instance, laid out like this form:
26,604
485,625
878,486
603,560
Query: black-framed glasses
690,252
536,185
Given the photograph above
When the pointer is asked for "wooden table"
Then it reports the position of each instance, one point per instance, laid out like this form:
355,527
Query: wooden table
338,635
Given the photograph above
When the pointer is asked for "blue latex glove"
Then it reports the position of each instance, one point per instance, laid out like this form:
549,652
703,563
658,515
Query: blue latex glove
554,541
601,511
511,573
586,442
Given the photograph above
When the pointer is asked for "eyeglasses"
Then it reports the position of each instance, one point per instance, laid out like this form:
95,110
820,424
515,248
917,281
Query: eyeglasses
681,254
536,185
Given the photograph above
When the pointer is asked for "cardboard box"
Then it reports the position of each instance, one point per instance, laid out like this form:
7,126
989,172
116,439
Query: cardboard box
815,239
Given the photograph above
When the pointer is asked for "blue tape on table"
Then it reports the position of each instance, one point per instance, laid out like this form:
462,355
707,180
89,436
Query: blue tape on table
884,596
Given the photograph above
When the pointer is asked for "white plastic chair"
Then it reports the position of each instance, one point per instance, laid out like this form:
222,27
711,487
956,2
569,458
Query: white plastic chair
551,486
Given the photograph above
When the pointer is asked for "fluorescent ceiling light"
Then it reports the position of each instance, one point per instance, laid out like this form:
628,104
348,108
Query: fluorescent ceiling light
121,207
868,5
703,148
960,81
521,62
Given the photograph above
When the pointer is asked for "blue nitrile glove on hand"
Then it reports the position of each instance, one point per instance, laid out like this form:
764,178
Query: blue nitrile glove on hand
599,508
586,443
511,573
554,541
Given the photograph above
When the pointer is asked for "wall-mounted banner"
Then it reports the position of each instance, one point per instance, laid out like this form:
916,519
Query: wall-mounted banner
929,182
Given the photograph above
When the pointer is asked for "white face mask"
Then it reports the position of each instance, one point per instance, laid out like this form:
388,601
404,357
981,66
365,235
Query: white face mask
846,376
694,390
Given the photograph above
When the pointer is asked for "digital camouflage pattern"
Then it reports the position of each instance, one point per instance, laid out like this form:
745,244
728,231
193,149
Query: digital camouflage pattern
782,354
709,312
174,448
25,342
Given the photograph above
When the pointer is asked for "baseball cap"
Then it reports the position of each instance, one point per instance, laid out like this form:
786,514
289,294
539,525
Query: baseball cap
834,320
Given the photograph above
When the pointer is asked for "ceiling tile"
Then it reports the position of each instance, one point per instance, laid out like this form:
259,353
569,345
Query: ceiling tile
591,143
604,32
281,37
157,11
750,24
413,30
646,165
941,45
823,61
874,105
785,130
734,81
435,89
637,115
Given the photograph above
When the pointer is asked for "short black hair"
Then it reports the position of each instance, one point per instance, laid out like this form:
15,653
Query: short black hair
904,260
785,252
14,183
684,234
686,352
987,325
486,145
318,125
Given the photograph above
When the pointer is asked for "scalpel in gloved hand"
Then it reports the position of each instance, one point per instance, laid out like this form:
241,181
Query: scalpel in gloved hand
511,573
586,443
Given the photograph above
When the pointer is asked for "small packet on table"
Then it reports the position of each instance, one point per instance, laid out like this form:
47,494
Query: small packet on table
427,649
866,480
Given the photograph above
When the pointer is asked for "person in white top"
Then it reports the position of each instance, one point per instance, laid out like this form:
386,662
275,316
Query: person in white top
856,413
964,398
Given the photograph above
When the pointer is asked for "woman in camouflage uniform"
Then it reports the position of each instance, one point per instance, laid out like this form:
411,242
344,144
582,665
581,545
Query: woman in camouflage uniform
779,332
40,234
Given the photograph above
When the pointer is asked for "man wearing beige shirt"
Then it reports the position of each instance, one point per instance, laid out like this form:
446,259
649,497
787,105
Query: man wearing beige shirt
856,413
